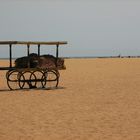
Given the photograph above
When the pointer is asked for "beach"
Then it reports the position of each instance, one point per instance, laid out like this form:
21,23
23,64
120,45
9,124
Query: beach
97,99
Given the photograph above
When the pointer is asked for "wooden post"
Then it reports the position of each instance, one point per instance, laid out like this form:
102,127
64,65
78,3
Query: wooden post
28,52
57,47
38,49
10,53
28,49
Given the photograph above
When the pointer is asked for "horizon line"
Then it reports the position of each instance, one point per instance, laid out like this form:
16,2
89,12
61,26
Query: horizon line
69,57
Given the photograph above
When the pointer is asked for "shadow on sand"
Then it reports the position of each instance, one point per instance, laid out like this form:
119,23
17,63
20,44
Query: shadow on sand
8,90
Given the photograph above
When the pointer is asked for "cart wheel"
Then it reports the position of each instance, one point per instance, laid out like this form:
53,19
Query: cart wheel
12,79
21,81
40,78
26,80
52,77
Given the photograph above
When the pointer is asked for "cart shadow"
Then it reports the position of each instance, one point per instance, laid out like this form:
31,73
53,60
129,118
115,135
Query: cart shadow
39,89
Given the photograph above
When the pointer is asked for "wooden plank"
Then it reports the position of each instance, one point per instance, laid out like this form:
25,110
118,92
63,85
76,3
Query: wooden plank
7,68
30,69
32,43
43,43
7,42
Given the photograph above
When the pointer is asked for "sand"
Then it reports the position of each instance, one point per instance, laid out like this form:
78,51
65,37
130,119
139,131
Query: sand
97,99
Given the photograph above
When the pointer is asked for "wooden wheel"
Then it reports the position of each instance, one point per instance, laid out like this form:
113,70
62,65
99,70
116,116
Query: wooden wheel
26,80
21,81
12,79
40,78
52,79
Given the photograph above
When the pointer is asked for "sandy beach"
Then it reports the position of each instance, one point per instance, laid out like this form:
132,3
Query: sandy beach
97,99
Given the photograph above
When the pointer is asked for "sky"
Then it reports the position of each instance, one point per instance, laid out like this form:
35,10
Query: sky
91,27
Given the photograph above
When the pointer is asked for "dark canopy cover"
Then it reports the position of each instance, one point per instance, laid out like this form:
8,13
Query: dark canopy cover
43,61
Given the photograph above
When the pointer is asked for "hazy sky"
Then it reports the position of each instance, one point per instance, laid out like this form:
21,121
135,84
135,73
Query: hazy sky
91,27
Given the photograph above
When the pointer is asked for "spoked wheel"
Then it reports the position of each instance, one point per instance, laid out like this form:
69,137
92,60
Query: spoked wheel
40,78
52,79
27,79
12,79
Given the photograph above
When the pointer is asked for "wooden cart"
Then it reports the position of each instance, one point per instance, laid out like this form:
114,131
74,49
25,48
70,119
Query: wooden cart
38,77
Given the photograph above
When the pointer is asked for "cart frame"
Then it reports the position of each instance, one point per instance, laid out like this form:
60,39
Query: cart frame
20,78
